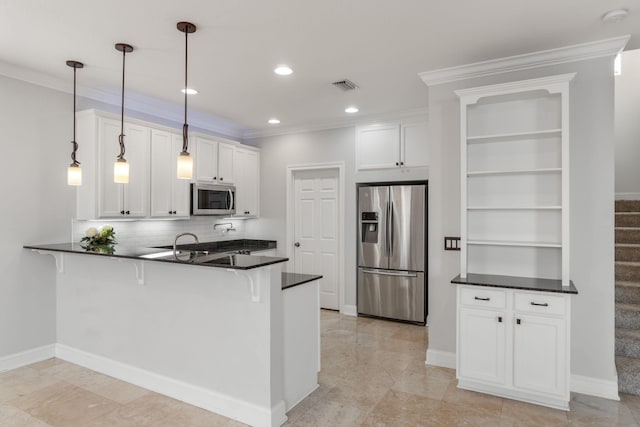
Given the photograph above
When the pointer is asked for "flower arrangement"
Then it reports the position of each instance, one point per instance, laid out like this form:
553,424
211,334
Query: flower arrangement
101,238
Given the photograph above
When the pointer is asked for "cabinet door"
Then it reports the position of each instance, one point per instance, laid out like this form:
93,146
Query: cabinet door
378,147
225,163
481,345
414,149
161,177
539,353
179,187
206,160
251,183
110,194
136,192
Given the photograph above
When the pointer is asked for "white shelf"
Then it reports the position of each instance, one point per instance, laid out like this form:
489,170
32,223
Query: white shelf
514,172
515,136
514,243
513,208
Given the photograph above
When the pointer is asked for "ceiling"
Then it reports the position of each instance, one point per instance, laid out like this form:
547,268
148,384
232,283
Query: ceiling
379,45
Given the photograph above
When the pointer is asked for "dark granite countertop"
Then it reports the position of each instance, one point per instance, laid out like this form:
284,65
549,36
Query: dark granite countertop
289,280
227,245
513,282
219,260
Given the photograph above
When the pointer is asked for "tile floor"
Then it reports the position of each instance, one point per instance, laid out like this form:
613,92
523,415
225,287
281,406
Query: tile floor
373,374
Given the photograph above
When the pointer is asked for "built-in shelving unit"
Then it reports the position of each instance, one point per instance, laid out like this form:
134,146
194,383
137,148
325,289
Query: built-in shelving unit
515,179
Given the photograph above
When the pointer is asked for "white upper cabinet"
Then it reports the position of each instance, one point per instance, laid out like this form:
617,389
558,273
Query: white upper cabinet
515,179
122,200
392,145
214,161
169,195
247,180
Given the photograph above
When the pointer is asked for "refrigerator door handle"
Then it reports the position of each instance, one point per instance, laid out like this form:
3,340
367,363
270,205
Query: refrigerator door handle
387,225
390,273
391,225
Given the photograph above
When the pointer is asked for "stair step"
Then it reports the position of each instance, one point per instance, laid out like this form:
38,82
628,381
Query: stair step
628,374
627,205
628,252
628,271
627,235
627,316
627,219
628,292
628,343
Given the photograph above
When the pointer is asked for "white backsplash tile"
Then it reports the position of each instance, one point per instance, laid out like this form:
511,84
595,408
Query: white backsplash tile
162,232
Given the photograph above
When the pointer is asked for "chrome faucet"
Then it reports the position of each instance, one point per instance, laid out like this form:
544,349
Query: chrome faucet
175,242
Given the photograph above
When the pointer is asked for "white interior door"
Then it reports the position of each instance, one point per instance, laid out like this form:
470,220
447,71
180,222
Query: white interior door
316,210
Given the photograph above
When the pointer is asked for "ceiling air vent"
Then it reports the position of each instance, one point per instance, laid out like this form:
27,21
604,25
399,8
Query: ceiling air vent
345,85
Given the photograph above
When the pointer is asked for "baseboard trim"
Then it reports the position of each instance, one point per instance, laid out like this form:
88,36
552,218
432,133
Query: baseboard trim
627,196
444,359
349,310
27,357
227,406
594,387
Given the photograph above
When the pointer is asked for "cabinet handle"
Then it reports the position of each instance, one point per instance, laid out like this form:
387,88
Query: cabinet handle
170,212
121,212
397,164
221,178
518,321
499,319
401,163
127,212
214,178
175,212
544,304
482,299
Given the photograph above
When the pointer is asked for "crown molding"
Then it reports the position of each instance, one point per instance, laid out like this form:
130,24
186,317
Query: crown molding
415,114
135,102
578,52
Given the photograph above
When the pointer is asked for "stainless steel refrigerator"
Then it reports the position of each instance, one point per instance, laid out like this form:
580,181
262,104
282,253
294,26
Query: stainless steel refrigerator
392,225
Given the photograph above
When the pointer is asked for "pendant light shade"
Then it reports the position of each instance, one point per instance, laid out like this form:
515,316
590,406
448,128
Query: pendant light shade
74,171
121,167
185,161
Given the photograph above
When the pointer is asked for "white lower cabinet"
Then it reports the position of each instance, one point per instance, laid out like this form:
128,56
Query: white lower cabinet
514,344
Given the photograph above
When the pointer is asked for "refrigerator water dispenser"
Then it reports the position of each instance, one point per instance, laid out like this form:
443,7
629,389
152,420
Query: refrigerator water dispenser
369,223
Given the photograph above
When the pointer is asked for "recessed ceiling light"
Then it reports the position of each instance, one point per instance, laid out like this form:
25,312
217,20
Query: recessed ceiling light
274,121
189,91
351,109
283,70
615,15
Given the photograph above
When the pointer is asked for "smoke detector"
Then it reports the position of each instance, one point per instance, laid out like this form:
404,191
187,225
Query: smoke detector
345,85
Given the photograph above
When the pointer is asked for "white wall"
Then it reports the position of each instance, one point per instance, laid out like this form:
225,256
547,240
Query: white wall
329,146
592,196
627,125
37,206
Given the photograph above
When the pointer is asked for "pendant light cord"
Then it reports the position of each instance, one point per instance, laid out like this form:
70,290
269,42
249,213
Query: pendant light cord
185,127
121,137
75,144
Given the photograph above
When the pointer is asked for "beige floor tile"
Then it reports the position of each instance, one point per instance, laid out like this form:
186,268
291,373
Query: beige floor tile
489,405
402,409
63,404
14,417
524,414
593,411
429,383
22,381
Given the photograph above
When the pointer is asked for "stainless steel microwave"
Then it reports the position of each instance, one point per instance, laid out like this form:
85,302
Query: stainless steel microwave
208,199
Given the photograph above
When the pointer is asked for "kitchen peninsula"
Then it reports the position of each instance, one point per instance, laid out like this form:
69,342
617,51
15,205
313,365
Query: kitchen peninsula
213,330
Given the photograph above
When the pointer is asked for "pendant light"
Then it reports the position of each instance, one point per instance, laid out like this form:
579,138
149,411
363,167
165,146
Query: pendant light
185,161
74,172
121,167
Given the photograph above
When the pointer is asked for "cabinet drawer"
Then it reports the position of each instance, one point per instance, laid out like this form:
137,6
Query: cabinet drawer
482,297
533,302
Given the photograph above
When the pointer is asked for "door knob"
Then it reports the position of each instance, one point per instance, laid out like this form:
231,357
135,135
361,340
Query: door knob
296,244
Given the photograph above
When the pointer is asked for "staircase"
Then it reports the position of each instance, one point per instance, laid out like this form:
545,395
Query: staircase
628,295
